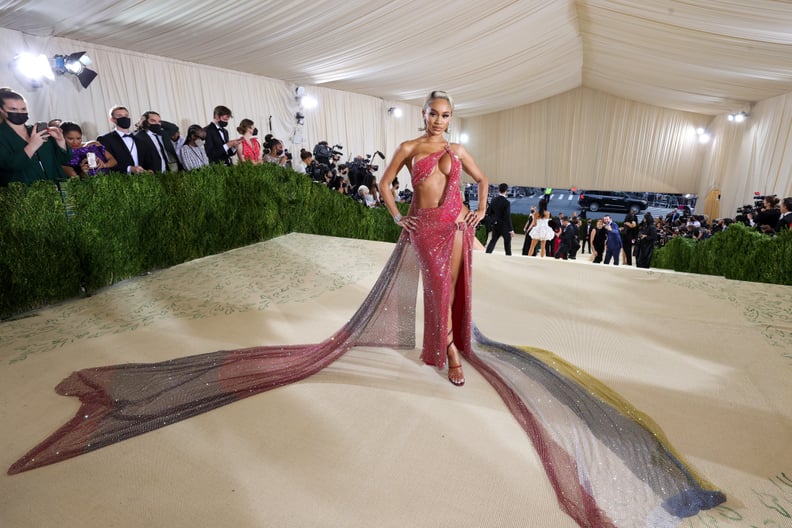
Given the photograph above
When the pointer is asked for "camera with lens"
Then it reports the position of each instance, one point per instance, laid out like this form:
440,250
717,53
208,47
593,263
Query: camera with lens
743,212
319,172
287,154
323,152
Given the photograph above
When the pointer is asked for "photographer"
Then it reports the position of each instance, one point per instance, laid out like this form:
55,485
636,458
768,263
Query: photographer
327,155
275,153
338,181
769,213
28,153
307,158
361,172
318,172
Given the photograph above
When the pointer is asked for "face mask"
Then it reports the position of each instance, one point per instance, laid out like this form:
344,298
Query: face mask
123,122
255,131
17,118
157,129
199,142
222,124
279,152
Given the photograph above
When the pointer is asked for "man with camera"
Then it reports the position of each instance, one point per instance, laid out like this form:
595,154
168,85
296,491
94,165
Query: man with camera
361,172
338,181
785,220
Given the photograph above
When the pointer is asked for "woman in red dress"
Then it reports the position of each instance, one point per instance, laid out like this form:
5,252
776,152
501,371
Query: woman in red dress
249,148
441,230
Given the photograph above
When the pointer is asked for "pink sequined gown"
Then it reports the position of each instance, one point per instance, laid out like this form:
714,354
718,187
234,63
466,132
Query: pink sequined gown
608,463
433,241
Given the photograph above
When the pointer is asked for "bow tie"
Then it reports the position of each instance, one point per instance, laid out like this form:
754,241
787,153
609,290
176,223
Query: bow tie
127,135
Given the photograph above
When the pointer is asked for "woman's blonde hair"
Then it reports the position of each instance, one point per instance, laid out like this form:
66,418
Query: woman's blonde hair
434,96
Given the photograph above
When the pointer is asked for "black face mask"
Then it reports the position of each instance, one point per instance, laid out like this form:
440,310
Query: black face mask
123,122
255,131
222,124
279,152
17,118
157,129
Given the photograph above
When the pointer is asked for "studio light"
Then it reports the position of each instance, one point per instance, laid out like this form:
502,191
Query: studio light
395,111
75,64
703,135
309,102
464,138
34,70
738,117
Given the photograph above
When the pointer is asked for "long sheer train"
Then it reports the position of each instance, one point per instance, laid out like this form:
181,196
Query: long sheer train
609,464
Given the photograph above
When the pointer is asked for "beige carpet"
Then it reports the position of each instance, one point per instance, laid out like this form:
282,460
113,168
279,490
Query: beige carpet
378,439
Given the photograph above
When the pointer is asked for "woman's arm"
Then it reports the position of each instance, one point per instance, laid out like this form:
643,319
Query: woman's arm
399,159
473,170
69,171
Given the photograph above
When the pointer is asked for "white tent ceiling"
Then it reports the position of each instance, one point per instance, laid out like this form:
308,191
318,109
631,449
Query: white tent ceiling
703,56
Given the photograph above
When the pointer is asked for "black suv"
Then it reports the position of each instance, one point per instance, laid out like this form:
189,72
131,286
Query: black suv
610,201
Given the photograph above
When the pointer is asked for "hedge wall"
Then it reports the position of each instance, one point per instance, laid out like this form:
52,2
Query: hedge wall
738,253
113,227
119,226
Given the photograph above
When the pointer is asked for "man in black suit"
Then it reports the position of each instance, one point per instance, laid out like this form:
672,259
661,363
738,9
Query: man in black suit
219,148
151,150
587,238
567,239
500,220
120,142
785,220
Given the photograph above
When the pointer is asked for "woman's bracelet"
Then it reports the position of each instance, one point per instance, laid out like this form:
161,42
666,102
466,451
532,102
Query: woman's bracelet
397,218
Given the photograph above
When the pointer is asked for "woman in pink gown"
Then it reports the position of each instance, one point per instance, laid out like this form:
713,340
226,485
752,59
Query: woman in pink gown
441,230
609,464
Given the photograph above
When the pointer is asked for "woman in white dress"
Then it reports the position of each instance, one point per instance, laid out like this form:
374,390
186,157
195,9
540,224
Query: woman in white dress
540,230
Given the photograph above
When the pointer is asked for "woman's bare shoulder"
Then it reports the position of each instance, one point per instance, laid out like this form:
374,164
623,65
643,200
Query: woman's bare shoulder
458,149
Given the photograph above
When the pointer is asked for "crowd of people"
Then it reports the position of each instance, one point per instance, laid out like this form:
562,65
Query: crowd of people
564,237
355,178
57,150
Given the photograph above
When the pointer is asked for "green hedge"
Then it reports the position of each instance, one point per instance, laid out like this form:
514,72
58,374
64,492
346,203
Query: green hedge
738,253
121,226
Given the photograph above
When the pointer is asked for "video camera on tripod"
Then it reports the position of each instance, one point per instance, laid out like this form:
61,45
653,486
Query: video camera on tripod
323,153
369,157
361,170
